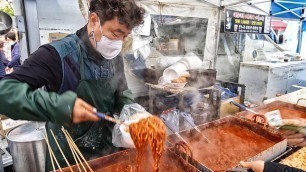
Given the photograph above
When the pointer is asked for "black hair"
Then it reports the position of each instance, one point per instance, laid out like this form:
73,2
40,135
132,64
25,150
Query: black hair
127,11
11,36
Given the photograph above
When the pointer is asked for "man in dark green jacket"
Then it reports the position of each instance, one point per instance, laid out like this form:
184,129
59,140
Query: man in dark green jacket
82,73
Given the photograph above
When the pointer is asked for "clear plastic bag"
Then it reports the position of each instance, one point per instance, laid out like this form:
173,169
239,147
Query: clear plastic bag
171,119
131,113
176,121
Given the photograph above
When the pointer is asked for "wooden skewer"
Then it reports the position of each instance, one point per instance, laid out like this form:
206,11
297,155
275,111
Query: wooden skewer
75,159
80,153
49,153
59,167
76,148
61,150
77,156
72,144
47,140
70,140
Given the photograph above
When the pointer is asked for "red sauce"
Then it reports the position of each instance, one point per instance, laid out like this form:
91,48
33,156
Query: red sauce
229,144
286,113
169,162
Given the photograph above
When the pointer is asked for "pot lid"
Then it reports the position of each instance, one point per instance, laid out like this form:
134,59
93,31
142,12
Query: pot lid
29,132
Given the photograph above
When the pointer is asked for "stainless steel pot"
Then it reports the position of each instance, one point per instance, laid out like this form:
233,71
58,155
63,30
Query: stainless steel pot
1,164
28,147
6,23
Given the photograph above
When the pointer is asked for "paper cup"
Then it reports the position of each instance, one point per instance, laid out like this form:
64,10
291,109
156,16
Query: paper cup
174,71
192,61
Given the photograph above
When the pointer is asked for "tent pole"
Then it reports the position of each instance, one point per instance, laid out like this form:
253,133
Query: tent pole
291,2
220,9
236,3
293,9
254,6
207,2
300,38
287,9
261,2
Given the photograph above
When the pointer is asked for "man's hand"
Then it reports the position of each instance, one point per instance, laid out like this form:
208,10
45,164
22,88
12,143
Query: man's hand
8,70
298,135
294,138
256,166
299,122
83,112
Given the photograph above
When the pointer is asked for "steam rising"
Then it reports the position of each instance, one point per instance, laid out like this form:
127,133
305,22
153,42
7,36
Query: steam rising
202,105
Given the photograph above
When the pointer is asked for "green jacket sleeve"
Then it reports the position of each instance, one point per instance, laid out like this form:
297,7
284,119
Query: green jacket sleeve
19,101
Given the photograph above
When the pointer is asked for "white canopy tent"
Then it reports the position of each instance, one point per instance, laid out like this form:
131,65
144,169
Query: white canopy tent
212,10
252,6
193,8
38,19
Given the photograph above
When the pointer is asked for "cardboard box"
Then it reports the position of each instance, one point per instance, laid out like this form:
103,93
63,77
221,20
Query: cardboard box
7,124
228,109
56,36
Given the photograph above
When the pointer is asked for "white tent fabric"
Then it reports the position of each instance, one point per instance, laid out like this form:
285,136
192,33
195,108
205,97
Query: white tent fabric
186,2
251,6
193,9
205,9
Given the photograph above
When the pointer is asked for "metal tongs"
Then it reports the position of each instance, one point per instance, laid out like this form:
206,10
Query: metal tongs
243,107
190,121
173,130
109,118
256,114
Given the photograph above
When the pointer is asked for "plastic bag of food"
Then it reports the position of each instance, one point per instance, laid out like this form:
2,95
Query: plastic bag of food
171,119
131,113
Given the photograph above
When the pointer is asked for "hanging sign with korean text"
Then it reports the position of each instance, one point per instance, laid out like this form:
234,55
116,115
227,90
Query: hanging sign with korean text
242,22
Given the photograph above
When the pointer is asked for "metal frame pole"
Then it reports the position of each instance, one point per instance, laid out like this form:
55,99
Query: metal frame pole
236,3
299,48
218,33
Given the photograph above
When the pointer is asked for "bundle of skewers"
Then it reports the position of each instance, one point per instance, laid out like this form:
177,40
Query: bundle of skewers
79,159
81,162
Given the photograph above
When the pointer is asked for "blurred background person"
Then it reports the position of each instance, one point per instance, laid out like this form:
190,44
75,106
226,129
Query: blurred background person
3,60
15,53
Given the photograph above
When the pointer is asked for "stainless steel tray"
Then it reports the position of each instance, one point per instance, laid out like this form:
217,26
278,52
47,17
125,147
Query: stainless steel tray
252,138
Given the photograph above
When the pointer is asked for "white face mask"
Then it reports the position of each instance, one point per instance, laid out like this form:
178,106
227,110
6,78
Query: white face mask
108,48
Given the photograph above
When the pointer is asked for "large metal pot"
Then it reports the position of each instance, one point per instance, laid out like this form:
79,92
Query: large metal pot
6,23
28,147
